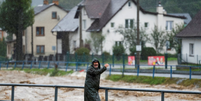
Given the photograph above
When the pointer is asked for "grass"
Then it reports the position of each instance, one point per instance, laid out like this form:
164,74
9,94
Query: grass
197,70
154,81
45,71
172,59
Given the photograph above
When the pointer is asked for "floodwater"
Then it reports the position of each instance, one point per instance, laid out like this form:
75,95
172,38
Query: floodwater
78,79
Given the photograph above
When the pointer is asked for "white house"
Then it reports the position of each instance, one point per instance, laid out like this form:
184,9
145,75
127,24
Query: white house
104,16
38,38
191,41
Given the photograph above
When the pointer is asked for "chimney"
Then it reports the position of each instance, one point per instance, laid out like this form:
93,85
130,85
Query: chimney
160,8
45,2
55,2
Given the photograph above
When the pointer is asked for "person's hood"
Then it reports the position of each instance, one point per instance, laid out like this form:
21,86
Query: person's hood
96,60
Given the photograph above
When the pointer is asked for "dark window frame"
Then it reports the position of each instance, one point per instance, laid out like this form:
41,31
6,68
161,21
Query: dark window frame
40,31
55,15
40,49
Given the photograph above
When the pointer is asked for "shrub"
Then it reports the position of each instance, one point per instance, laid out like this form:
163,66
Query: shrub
118,51
147,51
106,55
82,50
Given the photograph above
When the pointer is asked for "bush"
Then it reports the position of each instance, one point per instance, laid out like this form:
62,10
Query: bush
132,51
118,51
106,55
82,50
147,51
3,48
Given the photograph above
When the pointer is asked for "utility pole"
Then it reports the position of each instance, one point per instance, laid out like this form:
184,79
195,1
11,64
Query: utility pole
138,33
81,43
32,40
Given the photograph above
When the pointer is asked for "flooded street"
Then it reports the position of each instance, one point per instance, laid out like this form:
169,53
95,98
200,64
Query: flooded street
78,79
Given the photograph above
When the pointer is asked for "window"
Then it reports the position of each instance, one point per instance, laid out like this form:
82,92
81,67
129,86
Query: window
84,24
129,23
54,15
40,49
118,43
40,31
74,45
191,49
112,24
169,25
146,24
129,4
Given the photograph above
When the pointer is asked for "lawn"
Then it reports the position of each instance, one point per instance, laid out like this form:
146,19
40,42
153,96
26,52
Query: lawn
154,81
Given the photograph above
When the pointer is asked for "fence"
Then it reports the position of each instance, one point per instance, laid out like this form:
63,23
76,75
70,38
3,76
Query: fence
105,88
84,66
104,58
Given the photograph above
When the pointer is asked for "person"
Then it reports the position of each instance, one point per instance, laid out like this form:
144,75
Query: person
93,80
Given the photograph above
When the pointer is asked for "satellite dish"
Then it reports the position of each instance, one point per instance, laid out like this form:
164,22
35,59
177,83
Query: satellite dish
58,17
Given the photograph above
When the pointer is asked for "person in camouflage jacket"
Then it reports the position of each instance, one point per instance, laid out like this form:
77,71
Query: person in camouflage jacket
93,80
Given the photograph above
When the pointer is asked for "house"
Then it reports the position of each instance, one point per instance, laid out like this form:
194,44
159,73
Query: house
38,38
104,16
191,40
187,15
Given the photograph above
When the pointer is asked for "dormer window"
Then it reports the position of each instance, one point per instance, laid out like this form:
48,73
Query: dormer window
54,15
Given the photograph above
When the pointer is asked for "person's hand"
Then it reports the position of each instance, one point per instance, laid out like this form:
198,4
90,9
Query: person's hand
106,65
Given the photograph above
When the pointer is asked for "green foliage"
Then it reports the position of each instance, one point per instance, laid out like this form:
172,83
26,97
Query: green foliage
97,40
158,39
130,36
16,16
118,51
147,51
106,55
3,48
173,6
132,51
155,81
175,43
82,50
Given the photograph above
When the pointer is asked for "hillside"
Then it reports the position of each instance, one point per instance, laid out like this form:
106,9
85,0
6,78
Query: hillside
173,6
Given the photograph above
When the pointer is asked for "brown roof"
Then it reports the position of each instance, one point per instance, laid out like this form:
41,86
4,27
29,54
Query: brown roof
96,8
193,29
112,9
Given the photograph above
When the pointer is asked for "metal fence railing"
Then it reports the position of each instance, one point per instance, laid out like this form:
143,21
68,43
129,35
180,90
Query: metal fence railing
105,88
122,68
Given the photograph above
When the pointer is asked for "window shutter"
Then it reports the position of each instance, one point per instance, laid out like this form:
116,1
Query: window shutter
126,23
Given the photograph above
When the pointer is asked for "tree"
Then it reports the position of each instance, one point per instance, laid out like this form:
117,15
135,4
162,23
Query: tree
16,16
175,43
97,41
130,36
3,48
158,39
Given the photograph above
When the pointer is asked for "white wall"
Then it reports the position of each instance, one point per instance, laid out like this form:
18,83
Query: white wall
119,19
185,50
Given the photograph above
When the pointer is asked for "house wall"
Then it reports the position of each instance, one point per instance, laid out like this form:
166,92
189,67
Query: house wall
119,19
44,19
186,57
